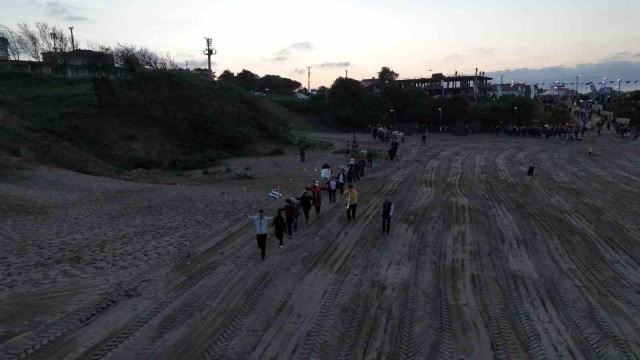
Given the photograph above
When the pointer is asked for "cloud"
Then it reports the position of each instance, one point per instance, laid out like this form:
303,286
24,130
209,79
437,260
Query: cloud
300,71
76,18
301,46
285,54
591,72
335,64
452,57
482,50
62,10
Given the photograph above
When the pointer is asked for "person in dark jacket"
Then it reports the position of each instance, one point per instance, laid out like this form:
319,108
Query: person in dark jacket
370,158
305,202
301,153
341,181
387,212
289,212
281,227
296,213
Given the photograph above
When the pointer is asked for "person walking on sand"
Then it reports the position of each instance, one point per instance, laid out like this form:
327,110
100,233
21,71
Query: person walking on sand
301,152
316,190
424,139
305,203
341,181
261,221
352,202
331,189
289,212
387,212
296,213
281,227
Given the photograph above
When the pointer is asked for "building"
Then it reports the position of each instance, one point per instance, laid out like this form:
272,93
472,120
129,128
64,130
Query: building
465,85
371,84
4,49
80,62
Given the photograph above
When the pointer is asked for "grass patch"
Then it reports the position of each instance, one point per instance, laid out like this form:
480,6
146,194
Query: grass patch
276,151
316,145
243,176
192,162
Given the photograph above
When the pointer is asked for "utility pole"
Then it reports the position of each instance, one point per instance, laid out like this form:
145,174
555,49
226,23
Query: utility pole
73,45
209,51
308,78
346,74
475,86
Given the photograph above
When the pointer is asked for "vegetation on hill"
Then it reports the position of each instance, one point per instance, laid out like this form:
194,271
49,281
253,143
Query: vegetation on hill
160,119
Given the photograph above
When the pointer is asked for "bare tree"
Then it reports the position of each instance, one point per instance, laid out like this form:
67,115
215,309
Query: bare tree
15,42
126,56
99,48
30,44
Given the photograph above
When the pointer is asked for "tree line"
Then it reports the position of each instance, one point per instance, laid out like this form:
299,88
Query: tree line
272,84
28,42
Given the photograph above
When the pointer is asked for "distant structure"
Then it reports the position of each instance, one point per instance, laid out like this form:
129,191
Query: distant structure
517,89
79,62
209,51
4,49
465,85
70,64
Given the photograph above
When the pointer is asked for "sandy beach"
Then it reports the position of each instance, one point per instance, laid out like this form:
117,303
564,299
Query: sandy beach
481,262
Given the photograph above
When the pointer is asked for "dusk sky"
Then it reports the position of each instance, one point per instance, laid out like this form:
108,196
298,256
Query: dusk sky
540,41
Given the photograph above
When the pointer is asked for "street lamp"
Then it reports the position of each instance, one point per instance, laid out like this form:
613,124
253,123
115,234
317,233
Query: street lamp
618,95
516,110
440,110
577,82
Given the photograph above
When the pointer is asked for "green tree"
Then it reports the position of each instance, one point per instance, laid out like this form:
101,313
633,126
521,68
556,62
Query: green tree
277,85
386,77
247,80
352,106
227,76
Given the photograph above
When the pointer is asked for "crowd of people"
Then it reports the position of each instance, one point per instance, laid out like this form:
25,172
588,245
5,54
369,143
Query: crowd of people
295,207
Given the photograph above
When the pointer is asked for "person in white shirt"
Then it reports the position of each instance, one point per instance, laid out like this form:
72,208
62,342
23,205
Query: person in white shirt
262,225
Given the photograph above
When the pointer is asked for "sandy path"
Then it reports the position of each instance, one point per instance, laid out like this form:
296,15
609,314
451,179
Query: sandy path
482,262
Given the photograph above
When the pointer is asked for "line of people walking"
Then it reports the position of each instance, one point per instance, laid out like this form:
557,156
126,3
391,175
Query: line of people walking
312,197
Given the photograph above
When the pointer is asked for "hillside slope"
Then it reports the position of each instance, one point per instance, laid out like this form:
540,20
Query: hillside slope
166,120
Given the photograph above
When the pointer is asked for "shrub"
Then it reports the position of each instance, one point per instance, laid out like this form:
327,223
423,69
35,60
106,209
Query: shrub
192,162
243,176
276,151
317,145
